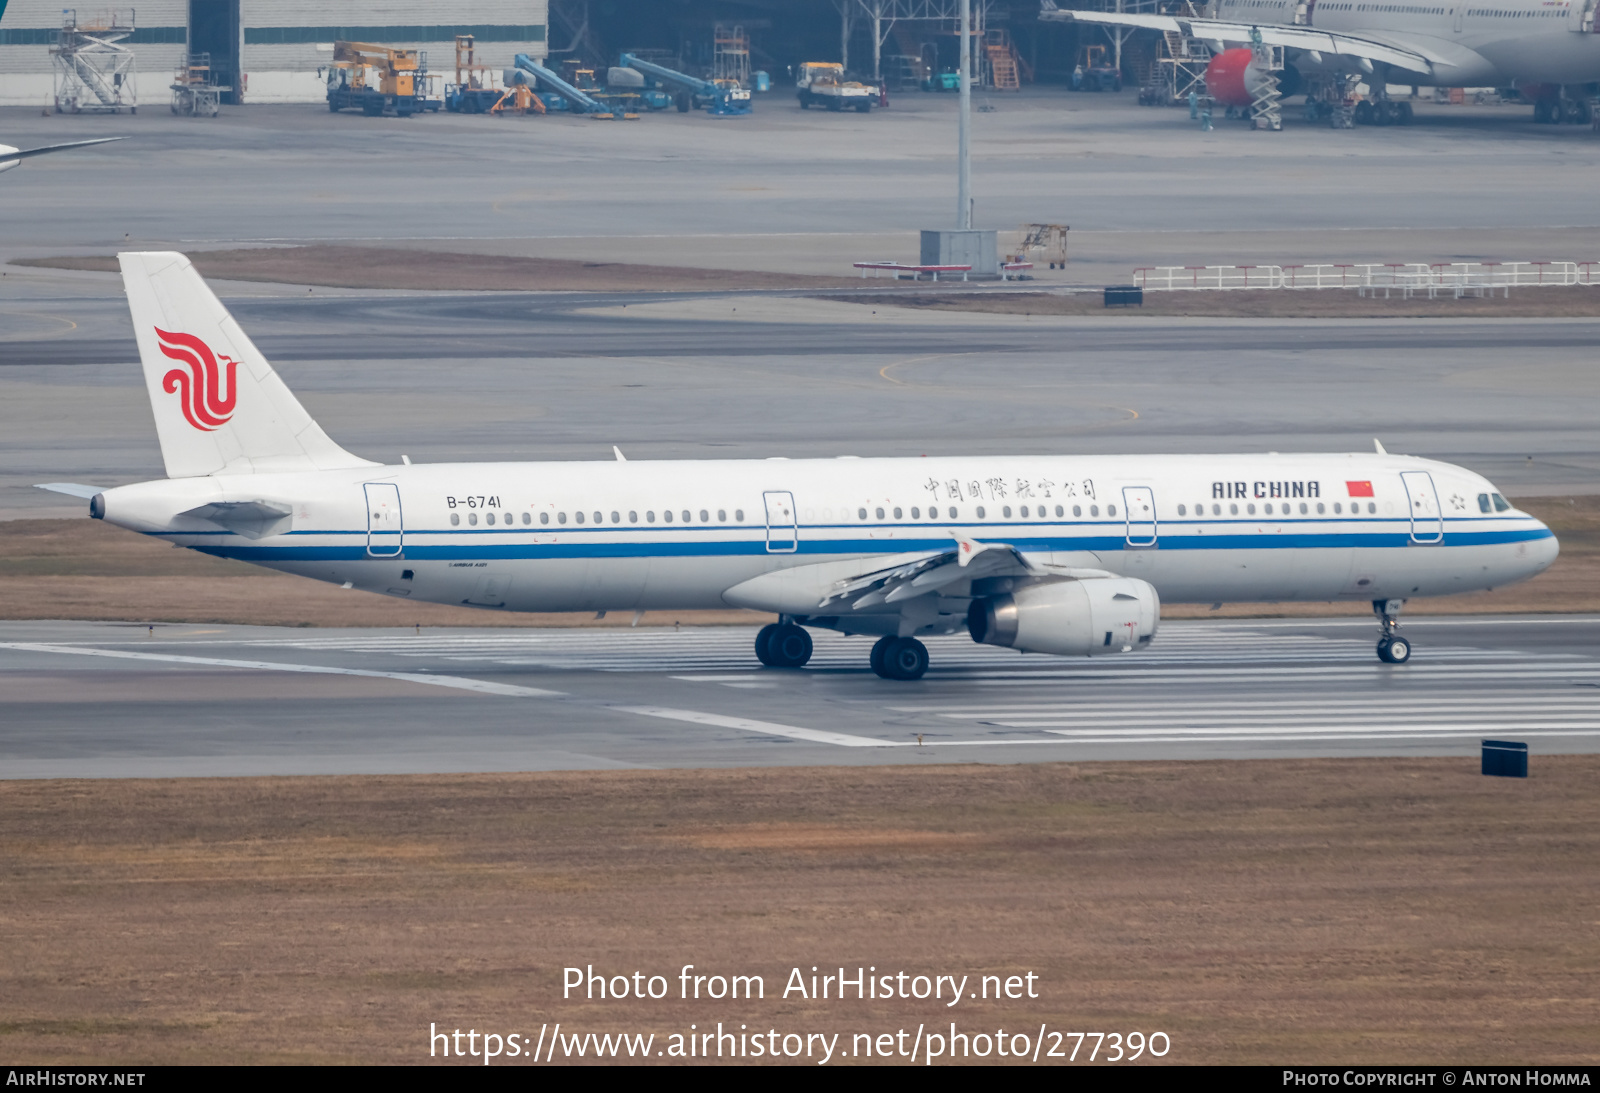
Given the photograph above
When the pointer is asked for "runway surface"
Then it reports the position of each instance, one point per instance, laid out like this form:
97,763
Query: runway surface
107,700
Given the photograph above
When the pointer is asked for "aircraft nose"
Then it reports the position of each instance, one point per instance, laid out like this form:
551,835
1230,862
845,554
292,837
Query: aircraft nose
1543,552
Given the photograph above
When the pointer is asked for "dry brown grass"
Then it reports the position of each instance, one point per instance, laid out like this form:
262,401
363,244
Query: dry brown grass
1523,303
424,270
84,569
1353,911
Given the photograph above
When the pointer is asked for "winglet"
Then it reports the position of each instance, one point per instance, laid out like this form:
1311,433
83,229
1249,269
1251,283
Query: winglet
967,549
620,457
1377,446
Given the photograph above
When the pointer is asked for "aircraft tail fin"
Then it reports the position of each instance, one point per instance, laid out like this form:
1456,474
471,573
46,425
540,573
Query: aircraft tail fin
219,406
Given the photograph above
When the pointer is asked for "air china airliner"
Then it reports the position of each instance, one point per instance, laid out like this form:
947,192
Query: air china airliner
1070,555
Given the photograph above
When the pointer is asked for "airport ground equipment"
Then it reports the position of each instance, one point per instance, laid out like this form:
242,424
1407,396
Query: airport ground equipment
93,71
577,99
401,83
1049,240
730,57
721,98
195,92
474,91
823,83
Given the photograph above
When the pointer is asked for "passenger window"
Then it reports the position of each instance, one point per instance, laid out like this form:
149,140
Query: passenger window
472,518
1077,510
879,513
1111,510
1268,508
1233,510
722,516
561,517
980,512
1216,510
933,512
1303,508
1372,506
455,519
650,517
1007,512
1320,508
861,514
897,513
738,515
1181,511
616,517
544,518
705,517
1250,510
916,513
633,516
1060,511
1500,503
488,518
686,517
527,518
1094,510
578,516
666,516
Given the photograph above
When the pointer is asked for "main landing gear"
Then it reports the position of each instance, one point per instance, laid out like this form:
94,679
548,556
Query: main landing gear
783,645
904,659
1392,648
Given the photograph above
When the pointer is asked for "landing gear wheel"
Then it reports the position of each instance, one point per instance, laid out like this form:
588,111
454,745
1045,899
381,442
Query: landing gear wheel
879,649
1394,650
763,637
906,659
788,646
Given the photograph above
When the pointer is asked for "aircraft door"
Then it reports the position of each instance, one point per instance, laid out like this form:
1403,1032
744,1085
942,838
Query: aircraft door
782,534
385,529
1139,504
1427,522
1580,16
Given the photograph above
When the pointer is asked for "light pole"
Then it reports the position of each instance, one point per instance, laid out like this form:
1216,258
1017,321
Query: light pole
963,153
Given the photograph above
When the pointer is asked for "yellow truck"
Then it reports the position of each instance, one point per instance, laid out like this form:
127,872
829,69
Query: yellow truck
377,79
823,83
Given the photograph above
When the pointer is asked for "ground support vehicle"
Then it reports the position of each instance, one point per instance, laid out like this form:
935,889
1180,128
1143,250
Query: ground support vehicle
377,80
823,83
723,98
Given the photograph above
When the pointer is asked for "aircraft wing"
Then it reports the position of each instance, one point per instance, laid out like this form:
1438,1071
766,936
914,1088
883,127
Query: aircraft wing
8,152
1309,39
71,489
833,587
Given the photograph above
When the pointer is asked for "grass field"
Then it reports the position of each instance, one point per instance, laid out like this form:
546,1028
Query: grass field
1325,911
84,569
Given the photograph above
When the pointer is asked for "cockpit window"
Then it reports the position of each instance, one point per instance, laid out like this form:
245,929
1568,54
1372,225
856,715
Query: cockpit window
1483,503
1500,503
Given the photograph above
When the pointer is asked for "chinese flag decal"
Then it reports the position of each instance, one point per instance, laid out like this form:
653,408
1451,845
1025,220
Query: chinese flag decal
1359,489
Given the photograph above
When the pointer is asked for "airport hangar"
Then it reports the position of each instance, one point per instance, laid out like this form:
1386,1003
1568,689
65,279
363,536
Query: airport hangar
277,46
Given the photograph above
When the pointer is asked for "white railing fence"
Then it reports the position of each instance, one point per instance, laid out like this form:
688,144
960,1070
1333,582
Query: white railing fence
1456,278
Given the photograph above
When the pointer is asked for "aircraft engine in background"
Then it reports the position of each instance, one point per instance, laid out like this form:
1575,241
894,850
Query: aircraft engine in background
1233,77
1070,618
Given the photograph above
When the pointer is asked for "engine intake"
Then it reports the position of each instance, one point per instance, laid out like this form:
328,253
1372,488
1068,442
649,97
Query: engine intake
1070,618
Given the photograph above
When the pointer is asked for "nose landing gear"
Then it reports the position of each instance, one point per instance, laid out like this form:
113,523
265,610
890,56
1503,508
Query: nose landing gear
1392,648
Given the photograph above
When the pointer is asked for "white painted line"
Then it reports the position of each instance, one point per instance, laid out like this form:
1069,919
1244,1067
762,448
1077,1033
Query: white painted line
743,677
816,736
458,683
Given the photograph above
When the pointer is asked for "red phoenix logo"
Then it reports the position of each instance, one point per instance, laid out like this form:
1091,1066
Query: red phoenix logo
199,389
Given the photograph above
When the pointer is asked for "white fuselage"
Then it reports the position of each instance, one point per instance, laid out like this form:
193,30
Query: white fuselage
680,534
1480,42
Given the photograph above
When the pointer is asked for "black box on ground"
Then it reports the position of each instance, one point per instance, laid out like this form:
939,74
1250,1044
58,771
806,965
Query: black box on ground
1505,759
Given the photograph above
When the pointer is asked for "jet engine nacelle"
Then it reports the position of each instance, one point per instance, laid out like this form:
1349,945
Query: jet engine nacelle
1070,618
1233,77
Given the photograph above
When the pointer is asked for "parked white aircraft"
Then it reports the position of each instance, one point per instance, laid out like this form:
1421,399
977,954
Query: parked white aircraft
12,157
1539,46
1069,555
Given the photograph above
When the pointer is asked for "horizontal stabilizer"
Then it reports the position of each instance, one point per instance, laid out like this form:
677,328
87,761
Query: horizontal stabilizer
71,489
